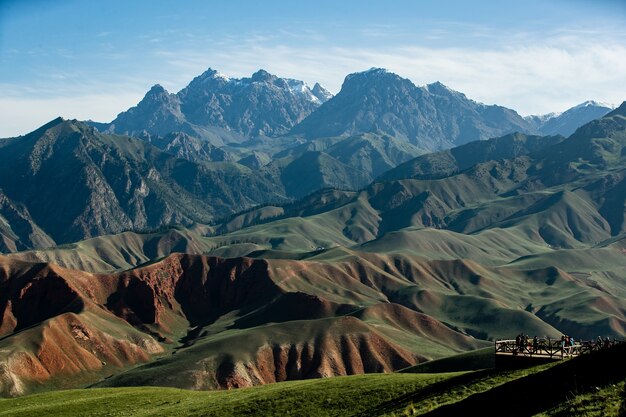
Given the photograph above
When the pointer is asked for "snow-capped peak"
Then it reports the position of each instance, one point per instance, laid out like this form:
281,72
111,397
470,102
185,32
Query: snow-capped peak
593,103
542,118
376,70
221,76
321,93
211,74
300,88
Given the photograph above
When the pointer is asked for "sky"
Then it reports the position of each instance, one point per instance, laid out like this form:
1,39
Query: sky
94,59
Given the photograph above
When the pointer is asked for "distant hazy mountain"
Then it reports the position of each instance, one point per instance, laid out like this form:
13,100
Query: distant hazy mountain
451,161
567,122
432,118
219,108
351,163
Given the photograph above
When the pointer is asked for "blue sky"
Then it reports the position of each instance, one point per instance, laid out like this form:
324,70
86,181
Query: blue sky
94,59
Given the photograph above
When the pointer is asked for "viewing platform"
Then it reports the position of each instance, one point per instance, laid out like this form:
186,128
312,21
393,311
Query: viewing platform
551,349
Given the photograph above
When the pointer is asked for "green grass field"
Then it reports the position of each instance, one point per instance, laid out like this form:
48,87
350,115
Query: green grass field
591,385
373,394
325,397
353,395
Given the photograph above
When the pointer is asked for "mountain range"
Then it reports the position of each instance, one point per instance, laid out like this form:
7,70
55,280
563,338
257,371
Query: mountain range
222,145
255,230
221,109
434,117
122,183
437,256
66,181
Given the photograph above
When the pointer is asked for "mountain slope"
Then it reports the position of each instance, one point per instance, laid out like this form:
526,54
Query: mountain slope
431,117
18,230
446,163
77,183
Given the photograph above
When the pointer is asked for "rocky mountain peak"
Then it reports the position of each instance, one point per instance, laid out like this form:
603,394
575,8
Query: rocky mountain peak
262,76
321,93
155,97
593,103
438,88
567,122
156,94
209,73
432,117
156,90
50,124
212,104
373,76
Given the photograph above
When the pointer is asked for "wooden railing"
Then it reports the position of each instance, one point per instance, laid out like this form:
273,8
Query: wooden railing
549,348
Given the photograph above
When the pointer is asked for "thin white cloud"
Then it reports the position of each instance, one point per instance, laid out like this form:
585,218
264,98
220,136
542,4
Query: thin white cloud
23,115
522,72
531,79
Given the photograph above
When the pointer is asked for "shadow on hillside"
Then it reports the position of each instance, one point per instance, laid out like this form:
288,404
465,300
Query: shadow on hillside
544,390
429,391
525,396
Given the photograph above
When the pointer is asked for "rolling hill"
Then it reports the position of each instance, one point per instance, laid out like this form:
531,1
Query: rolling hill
190,308
213,322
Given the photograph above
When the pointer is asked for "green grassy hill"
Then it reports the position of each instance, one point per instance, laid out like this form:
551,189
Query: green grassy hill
591,385
468,361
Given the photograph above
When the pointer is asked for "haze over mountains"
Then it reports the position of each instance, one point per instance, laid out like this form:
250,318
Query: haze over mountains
313,237
434,117
225,145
